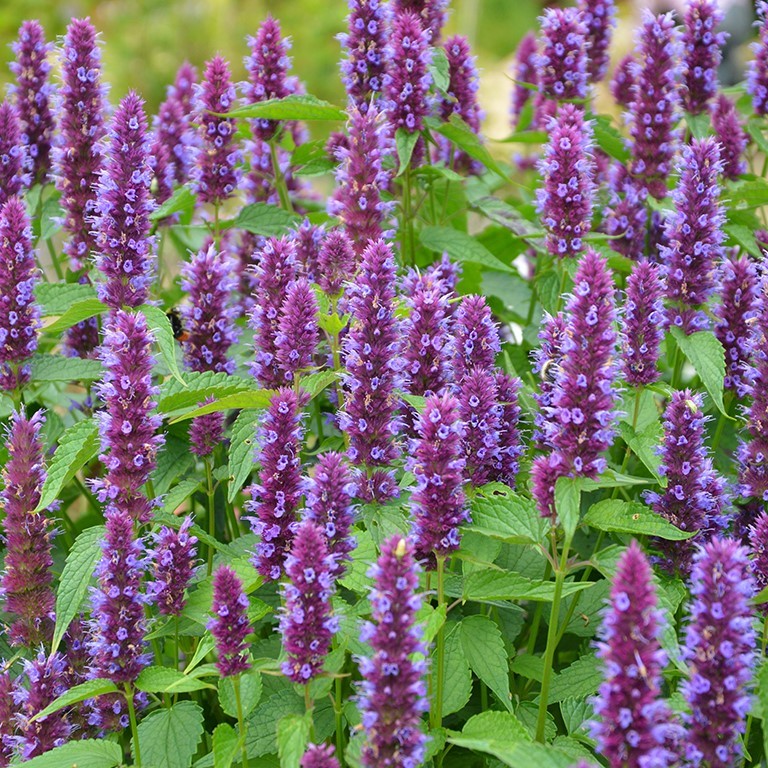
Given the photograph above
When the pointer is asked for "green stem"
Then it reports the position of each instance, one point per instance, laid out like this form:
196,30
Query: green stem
240,719
134,727
628,450
309,706
211,512
176,641
437,704
88,495
54,259
407,240
339,711
563,278
721,422
533,633
282,188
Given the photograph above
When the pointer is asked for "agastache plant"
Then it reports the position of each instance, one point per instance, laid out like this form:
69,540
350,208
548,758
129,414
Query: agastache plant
298,332
431,13
476,340
510,437
335,263
173,561
562,57
319,756
479,410
15,165
623,82
546,364
757,70
599,16
524,73
229,625
702,47
731,135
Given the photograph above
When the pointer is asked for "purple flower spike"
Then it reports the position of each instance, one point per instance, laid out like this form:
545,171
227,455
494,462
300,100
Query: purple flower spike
32,94
19,313
626,217
77,156
476,339
481,413
653,110
720,650
362,177
510,440
562,59
694,498
309,239
702,47
7,722
546,363
600,19
645,321
757,71
215,174
229,625
122,210
26,580
735,313
731,135
298,332
636,727
15,163
623,82
319,756
335,263
694,233
438,503
128,428
275,498
306,623
173,563
432,14
365,45
524,73
392,693
372,357
568,168
329,505
758,542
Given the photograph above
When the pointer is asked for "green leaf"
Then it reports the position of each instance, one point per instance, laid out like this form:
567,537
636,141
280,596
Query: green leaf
177,495
173,460
499,512
77,446
196,387
706,354
160,325
525,137
297,106
460,134
579,680
50,218
609,139
405,142
75,313
457,680
250,694
753,193
168,680
75,578
460,247
618,516
254,398
226,744
182,199
292,739
314,383
87,690
261,737
265,220
57,298
439,69
242,451
568,504
485,653
698,125
644,443
762,695
489,585
169,737
88,753
65,369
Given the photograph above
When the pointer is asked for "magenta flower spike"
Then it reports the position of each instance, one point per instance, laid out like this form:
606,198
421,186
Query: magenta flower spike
26,579
599,16
393,693
562,57
623,82
546,365
309,239
173,564
432,14
275,498
510,440
757,70
7,721
524,73
298,332
702,53
719,647
625,219
19,312
731,135
15,163
319,756
566,199
476,340
635,725
481,413
758,544
229,625
307,625
336,263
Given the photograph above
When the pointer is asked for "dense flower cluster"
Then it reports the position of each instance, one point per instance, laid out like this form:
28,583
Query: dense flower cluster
173,562
476,340
599,16
15,165
623,82
757,71
229,625
562,58
298,332
731,135
525,74
702,46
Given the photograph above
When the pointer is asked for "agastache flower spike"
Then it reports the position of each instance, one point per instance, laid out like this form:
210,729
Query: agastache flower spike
720,650
319,756
510,441
644,323
275,498
7,724
758,542
432,14
173,562
636,726
623,82
15,164
479,409
702,47
309,239
757,69
625,219
32,94
599,16
731,135
695,234
335,263
562,57
476,340
524,73
298,332
546,363
26,580
229,625
306,623
568,168
122,209
19,313
393,693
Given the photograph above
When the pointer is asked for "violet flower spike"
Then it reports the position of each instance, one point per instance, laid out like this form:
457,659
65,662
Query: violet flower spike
319,756
758,544
298,332
309,239
599,16
15,163
432,14
546,363
173,563
335,263
524,73
626,218
757,69
731,135
229,625
702,54
510,440
562,57
7,722
476,340
623,82
393,693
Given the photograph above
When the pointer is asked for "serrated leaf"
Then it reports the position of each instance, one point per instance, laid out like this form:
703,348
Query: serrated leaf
57,368
405,142
168,680
87,690
182,199
88,753
73,584
609,139
457,678
173,460
292,738
762,695
261,737
488,586
160,325
297,106
197,387
460,247
169,737
250,694
265,220
499,512
644,444
77,446
178,494
462,136
225,745
254,398
568,504
56,298
579,680
242,451
485,653
706,354
753,193
314,383
75,313
439,69
618,516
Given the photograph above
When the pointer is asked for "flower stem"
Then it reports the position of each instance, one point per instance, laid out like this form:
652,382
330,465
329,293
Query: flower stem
437,704
240,719
339,712
211,512
282,187
134,727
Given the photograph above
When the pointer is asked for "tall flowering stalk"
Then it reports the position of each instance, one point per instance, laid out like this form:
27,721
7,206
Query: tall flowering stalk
275,498
476,340
702,53
626,218
15,163
510,439
599,16
562,57
731,135
32,94
757,69
635,726
7,724
479,410
173,563
623,82
546,363
393,693
229,625
566,198
694,234
335,263
19,313
26,579
298,332
309,239
720,650
758,544
524,74
432,14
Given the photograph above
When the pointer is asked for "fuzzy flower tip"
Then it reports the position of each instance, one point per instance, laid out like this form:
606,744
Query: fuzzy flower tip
695,495
229,625
77,155
26,580
720,651
524,74
329,505
644,322
757,71
173,562
731,135
275,498
702,53
365,44
635,726
306,623
623,82
335,263
15,165
432,14
653,109
215,174
393,693
476,340
298,332
361,178
19,313
122,210
694,234
562,59
373,360
599,16
319,756
566,199
32,94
